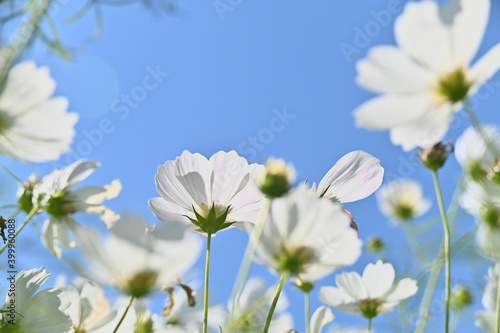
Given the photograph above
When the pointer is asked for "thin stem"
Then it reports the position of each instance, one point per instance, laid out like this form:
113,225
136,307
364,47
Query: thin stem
446,245
307,311
205,293
283,278
479,128
124,314
249,255
369,325
25,222
498,306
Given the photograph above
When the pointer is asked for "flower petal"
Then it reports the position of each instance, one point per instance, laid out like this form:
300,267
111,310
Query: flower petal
352,284
354,177
321,317
404,288
486,67
381,72
378,278
422,34
386,111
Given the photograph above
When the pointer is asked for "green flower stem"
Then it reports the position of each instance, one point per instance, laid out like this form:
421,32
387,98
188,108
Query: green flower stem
498,306
446,246
307,311
205,292
25,222
283,278
479,129
370,325
249,255
124,314
430,288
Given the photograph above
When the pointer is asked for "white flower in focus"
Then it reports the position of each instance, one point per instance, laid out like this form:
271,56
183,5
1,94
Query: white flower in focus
221,190
473,153
307,237
487,319
425,80
355,176
402,200
372,294
137,259
321,317
253,306
33,126
27,312
55,193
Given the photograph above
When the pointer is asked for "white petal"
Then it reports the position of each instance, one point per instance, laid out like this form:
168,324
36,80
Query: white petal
378,278
387,111
354,177
352,284
382,72
425,132
333,296
468,28
486,66
321,317
404,288
420,32
25,87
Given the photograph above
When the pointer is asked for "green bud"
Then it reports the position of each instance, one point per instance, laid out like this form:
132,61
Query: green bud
303,286
433,158
375,244
25,200
277,178
211,221
461,297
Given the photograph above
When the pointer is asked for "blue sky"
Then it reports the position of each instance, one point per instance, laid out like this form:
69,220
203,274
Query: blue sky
266,79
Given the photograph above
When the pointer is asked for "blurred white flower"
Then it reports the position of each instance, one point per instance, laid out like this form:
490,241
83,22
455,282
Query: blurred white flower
472,151
33,126
307,237
191,187
321,317
402,200
56,195
426,79
27,312
482,200
253,306
372,294
90,311
275,181
487,319
355,176
137,259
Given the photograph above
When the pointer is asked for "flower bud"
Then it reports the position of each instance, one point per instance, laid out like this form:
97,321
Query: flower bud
461,297
375,244
277,178
433,158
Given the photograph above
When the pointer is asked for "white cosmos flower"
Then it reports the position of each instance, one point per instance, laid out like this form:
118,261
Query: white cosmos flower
372,294
355,176
137,259
402,200
224,183
307,237
473,153
90,311
253,306
33,126
56,194
33,312
482,200
487,319
425,80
